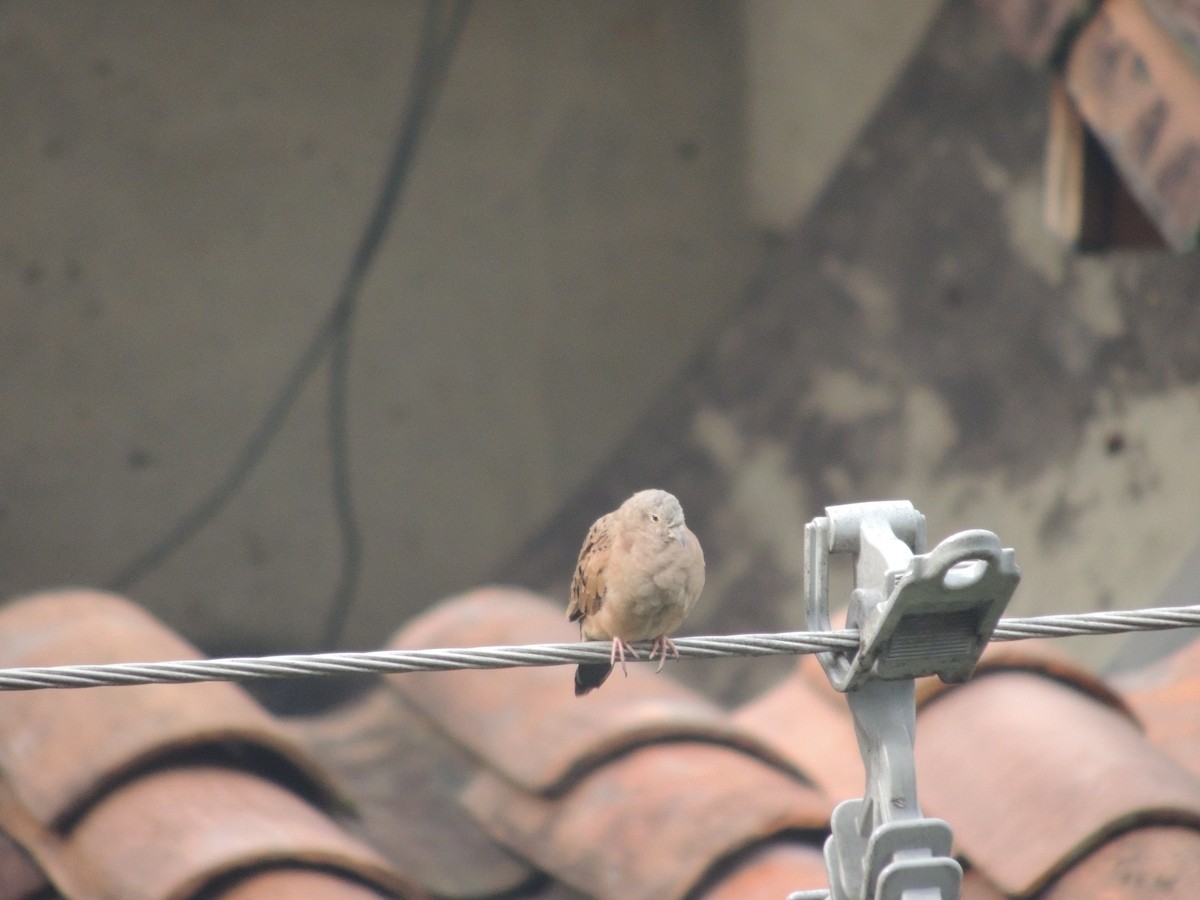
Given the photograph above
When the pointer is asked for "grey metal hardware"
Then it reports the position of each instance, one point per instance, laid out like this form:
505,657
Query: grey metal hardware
919,613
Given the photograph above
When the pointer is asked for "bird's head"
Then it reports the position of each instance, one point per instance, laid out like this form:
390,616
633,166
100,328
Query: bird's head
656,512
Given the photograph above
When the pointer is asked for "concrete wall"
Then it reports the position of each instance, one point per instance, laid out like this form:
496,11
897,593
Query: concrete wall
183,185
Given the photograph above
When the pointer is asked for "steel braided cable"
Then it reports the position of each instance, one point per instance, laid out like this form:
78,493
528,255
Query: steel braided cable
381,662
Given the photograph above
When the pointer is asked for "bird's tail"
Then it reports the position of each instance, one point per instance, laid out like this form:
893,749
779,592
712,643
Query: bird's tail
589,676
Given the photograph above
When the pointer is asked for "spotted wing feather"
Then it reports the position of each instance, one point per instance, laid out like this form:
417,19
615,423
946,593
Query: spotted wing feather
588,583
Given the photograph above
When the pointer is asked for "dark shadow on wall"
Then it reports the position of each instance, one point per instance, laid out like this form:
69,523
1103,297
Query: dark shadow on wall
915,268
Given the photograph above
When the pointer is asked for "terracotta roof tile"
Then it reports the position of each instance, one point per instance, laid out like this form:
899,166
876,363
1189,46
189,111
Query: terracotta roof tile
125,729
809,721
1166,698
1034,657
20,877
1154,863
403,778
1016,751
169,833
1011,755
774,869
642,789
653,822
526,722
976,887
154,791
491,783
296,884
557,775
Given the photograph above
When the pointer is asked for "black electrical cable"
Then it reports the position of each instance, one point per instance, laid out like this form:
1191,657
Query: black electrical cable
433,64
433,60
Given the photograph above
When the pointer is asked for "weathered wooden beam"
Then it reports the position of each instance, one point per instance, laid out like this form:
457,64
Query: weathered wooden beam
1138,90
1086,203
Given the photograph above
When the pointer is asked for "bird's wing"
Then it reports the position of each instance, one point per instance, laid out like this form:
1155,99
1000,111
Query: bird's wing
695,570
588,583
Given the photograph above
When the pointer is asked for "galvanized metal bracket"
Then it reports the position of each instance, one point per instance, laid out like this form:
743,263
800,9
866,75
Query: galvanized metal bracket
918,613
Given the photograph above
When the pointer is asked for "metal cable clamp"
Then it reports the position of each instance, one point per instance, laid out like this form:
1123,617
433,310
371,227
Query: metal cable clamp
919,613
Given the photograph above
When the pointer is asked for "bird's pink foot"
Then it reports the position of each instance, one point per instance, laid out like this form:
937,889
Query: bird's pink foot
663,646
619,648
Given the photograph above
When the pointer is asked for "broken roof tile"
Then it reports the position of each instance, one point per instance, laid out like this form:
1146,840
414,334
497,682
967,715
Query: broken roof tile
403,778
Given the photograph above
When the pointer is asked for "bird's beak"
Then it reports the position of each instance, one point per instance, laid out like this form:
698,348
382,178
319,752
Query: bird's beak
680,534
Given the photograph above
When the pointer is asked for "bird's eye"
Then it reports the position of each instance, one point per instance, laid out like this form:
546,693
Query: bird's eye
653,517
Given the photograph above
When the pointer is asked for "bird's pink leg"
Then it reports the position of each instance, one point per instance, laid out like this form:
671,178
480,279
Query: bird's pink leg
619,648
663,646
